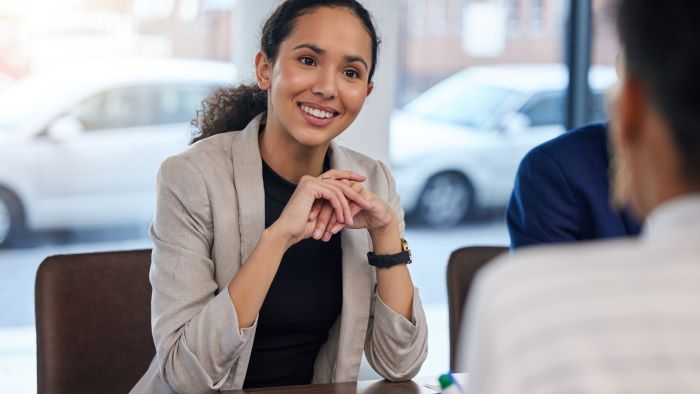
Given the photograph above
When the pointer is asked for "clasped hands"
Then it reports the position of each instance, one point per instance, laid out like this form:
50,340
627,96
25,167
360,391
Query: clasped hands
322,206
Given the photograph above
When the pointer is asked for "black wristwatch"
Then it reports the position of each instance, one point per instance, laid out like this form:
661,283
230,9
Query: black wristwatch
390,260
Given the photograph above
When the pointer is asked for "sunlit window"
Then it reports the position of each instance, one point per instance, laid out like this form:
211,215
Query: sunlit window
94,95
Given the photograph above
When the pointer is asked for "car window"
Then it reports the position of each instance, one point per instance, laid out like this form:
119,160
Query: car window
117,108
140,106
470,104
545,109
178,104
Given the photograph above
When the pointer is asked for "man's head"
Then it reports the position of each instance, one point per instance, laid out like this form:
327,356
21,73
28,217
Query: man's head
656,108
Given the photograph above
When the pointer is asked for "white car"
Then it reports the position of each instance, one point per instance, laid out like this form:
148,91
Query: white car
457,146
81,147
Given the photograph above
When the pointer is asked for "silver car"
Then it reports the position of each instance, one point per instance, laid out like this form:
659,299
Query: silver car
80,147
457,146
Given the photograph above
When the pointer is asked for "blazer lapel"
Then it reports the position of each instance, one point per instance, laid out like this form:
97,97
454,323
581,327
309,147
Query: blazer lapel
357,274
247,178
357,290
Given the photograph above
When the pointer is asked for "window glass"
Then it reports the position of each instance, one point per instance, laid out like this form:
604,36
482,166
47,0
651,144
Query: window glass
141,106
452,155
178,104
536,16
461,67
89,112
513,16
112,65
546,109
604,49
118,108
461,101
598,106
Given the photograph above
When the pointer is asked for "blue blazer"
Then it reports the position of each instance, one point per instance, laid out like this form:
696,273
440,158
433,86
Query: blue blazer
561,192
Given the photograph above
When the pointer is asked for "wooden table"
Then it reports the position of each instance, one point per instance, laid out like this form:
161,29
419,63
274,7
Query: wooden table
415,386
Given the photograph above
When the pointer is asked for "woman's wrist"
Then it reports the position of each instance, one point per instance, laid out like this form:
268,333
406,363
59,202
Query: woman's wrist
386,239
275,237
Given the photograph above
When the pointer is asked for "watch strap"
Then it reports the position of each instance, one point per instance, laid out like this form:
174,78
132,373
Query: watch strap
388,260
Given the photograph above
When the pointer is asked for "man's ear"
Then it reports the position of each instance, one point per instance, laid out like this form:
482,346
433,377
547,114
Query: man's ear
632,111
370,88
262,71
619,65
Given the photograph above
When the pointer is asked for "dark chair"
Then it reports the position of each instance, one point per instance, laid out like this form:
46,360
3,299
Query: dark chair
461,268
93,322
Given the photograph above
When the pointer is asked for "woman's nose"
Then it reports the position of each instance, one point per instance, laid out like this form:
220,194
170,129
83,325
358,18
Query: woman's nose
325,84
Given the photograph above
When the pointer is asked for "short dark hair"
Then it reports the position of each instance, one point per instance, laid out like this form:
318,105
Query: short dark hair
661,44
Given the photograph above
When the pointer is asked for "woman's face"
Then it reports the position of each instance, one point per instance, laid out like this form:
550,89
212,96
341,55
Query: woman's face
319,81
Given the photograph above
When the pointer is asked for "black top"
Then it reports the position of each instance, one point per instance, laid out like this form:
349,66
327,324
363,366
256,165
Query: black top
303,302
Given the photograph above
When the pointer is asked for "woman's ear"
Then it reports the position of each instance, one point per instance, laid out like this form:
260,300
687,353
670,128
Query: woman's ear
262,71
370,88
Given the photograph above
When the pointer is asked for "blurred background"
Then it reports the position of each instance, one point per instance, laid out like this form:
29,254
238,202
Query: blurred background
95,94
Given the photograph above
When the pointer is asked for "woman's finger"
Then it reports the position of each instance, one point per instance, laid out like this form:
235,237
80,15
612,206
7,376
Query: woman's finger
343,174
350,192
354,186
328,233
314,189
336,198
333,225
354,210
315,209
341,189
324,219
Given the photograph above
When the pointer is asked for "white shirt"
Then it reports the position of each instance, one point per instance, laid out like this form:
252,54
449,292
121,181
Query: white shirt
614,316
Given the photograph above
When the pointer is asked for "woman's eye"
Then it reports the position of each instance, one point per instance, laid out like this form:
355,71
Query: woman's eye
307,61
351,74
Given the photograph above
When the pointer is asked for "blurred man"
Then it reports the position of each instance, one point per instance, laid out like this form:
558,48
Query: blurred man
620,316
561,192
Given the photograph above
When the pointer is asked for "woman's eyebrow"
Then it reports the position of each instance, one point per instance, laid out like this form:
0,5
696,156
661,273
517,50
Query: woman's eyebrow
360,59
347,58
312,47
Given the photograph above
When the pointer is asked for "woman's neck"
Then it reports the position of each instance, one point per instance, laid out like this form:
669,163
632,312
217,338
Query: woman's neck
287,157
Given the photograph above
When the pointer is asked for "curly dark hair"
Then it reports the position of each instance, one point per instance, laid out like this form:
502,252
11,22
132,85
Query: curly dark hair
232,108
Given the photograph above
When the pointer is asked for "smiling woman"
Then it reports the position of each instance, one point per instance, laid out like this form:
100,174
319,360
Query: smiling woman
279,255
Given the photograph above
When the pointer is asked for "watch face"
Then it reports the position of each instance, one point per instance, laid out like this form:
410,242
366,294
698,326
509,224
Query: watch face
404,245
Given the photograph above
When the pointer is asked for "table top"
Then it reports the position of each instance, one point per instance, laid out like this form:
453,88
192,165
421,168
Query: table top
418,385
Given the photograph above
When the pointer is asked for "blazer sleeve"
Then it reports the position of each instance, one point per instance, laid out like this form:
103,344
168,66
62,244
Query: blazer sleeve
396,347
542,207
195,327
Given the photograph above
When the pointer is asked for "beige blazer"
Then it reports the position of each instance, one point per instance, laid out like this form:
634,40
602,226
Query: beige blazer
209,217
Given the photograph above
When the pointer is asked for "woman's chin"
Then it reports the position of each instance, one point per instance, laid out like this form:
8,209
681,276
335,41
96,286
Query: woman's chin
314,138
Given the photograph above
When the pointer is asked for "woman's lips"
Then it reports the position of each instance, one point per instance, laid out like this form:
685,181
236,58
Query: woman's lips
315,120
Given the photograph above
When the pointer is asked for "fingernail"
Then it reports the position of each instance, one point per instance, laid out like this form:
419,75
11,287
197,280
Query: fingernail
317,233
336,229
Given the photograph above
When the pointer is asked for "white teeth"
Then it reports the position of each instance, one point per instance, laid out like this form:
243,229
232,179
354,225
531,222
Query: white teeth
316,112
